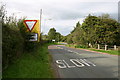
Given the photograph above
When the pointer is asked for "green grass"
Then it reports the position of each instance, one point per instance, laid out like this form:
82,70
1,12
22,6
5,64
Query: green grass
114,52
69,45
35,64
76,46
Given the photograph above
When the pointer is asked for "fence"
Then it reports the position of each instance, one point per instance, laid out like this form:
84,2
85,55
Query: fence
108,47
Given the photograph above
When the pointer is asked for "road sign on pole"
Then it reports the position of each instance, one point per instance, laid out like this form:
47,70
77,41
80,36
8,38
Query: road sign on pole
33,26
30,24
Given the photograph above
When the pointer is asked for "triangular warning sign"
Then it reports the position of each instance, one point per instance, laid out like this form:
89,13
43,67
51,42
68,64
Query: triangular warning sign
30,24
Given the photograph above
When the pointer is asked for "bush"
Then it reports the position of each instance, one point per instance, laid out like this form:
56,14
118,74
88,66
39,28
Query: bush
12,45
81,46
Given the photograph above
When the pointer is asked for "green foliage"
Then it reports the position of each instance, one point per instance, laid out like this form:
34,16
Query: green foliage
96,30
12,44
69,39
12,41
80,46
14,37
114,52
2,13
52,33
57,37
45,37
34,64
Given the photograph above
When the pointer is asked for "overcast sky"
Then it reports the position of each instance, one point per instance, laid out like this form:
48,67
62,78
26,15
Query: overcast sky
60,14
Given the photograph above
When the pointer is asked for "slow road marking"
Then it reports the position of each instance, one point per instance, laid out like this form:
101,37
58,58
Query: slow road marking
75,63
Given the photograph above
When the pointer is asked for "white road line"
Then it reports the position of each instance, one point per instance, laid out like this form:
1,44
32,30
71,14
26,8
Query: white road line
70,51
76,52
59,47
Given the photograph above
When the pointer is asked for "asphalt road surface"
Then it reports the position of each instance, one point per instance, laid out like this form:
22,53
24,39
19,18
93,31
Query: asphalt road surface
79,63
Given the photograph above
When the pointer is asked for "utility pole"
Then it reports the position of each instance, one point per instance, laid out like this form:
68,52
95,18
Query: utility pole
40,18
40,21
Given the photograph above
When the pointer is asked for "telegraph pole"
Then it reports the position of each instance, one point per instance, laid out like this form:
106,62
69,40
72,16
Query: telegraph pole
40,21
40,18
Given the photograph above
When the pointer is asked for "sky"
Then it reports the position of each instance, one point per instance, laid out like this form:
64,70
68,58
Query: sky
60,14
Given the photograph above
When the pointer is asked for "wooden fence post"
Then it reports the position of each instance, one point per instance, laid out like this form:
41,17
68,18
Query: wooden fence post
98,46
106,47
115,47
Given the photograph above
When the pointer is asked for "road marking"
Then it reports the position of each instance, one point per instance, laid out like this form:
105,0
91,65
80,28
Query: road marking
76,63
69,51
68,64
89,62
76,52
60,62
59,47
84,62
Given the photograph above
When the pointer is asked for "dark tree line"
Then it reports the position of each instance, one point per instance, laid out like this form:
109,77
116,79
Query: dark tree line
96,30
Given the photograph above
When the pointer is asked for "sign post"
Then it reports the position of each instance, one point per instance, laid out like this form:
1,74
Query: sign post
33,26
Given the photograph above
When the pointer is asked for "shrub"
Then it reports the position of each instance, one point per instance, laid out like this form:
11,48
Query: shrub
12,45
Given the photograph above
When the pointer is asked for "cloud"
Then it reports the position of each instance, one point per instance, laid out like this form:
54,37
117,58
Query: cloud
64,13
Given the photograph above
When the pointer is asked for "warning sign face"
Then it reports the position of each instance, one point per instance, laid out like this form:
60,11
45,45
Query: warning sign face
33,26
30,24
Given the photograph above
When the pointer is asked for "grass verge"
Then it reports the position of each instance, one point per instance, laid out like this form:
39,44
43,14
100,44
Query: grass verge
113,52
34,64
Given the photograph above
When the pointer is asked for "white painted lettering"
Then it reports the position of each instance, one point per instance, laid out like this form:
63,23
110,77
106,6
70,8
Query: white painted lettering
84,62
60,62
89,62
68,64
75,61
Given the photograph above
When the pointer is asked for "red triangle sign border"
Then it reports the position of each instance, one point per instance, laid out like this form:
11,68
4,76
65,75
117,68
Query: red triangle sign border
30,21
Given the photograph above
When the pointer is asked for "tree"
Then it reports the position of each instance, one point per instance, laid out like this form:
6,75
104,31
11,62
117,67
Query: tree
44,37
2,13
12,41
89,28
58,37
52,34
69,39
96,30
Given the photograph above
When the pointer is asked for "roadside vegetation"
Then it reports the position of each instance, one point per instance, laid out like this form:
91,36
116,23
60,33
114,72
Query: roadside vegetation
35,64
95,30
21,58
102,30
113,52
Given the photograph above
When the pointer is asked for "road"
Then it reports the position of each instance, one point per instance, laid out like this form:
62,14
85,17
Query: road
79,63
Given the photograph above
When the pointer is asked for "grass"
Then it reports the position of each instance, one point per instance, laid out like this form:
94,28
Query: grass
35,64
69,45
76,46
114,52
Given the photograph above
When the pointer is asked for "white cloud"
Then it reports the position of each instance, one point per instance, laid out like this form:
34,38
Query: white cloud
64,13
